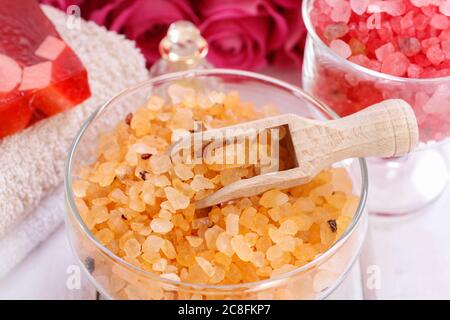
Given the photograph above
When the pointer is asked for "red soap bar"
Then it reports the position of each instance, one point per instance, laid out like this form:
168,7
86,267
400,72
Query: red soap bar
40,75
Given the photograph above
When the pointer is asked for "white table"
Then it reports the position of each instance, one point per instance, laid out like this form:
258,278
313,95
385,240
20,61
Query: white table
411,252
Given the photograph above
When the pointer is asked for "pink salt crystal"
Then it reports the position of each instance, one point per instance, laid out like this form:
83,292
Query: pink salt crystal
429,10
445,35
374,65
421,22
360,59
407,20
439,101
382,52
421,3
374,21
421,60
435,54
333,3
393,8
444,8
385,32
445,45
427,43
439,21
341,12
50,48
395,64
335,31
341,48
409,46
414,71
36,76
359,6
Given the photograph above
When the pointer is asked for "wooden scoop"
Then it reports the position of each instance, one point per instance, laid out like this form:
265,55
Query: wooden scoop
386,129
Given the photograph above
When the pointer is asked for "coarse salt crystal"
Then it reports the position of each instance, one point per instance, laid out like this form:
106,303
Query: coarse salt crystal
444,8
439,21
385,50
359,6
162,226
341,48
341,12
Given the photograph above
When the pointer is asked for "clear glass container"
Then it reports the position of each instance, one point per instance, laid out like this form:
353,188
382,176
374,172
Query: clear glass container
398,185
116,279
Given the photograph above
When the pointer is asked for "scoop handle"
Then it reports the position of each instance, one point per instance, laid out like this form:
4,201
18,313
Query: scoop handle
385,129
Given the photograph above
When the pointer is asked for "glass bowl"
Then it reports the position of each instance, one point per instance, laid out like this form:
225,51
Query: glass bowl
347,87
117,279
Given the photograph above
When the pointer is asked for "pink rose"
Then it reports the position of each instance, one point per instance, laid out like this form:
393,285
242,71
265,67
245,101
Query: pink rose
86,6
288,4
144,21
292,49
241,33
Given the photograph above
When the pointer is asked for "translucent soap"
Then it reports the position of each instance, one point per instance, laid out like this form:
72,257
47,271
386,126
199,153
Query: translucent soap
40,75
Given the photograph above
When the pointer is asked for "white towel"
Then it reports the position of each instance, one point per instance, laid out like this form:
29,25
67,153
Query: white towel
35,228
32,161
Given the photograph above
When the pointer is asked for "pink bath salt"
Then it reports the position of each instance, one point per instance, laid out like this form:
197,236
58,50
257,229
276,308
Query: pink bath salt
335,31
444,8
439,21
393,7
333,3
360,59
409,46
430,72
359,6
421,22
439,101
10,73
421,98
385,32
445,45
341,12
407,20
421,3
444,73
395,64
385,50
375,65
435,54
341,48
429,10
444,35
50,48
429,42
374,21
414,71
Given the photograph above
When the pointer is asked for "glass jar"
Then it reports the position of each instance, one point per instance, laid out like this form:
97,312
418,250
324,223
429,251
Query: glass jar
117,279
398,185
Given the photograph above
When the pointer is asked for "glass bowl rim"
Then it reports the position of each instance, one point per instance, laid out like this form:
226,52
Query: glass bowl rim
311,30
70,199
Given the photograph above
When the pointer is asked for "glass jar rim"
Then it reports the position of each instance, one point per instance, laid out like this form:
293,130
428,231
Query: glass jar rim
312,32
69,195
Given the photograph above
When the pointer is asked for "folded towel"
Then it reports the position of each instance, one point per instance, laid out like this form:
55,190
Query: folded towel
35,228
32,161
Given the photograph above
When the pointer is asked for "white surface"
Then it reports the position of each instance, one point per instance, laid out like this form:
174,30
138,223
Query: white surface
44,273
35,228
412,251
